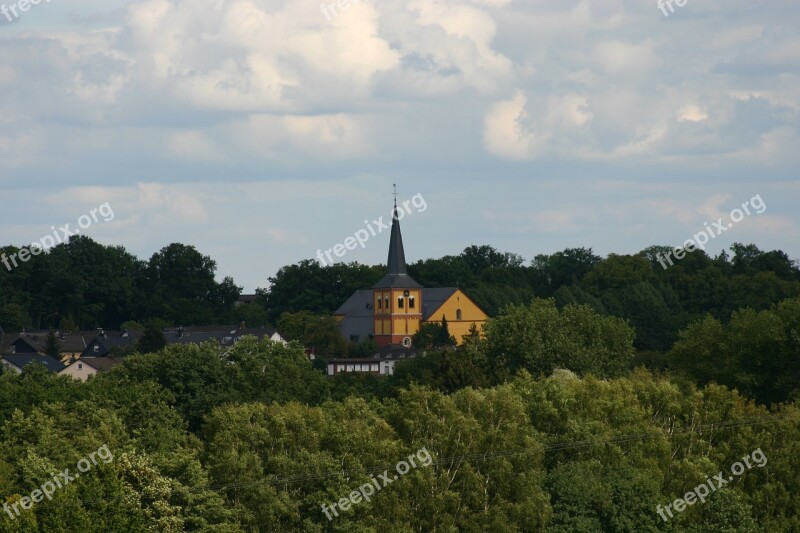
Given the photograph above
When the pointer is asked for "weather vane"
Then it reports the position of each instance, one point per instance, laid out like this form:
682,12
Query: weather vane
395,193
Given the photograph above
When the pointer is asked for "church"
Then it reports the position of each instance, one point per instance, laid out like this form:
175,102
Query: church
393,310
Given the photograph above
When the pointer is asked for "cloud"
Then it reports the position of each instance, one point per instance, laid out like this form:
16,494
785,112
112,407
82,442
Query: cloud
162,103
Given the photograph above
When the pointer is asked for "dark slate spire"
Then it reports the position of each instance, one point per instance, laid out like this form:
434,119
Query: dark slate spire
397,275
397,256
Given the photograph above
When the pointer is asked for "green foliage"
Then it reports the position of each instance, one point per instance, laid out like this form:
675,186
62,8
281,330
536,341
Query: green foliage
566,268
254,439
538,426
433,335
52,347
308,286
152,340
84,285
13,317
541,338
446,370
757,353
319,333
252,314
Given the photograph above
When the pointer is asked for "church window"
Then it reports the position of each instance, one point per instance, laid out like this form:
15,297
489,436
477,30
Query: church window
458,314
400,302
412,302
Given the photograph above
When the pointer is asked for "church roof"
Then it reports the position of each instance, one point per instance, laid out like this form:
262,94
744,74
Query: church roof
432,299
358,314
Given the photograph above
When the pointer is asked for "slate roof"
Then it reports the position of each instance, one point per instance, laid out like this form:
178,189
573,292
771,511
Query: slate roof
224,335
106,343
396,275
68,342
432,299
358,313
24,359
101,364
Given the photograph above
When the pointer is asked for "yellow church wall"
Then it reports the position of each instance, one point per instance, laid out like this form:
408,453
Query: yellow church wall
470,314
406,310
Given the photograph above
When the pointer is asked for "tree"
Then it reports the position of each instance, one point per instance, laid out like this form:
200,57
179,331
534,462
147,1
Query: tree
540,338
446,370
319,333
433,335
152,340
308,286
52,346
618,271
251,314
13,317
756,352
549,272
445,339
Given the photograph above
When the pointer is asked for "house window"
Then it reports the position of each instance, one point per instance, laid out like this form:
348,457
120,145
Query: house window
96,348
400,302
80,366
458,314
412,302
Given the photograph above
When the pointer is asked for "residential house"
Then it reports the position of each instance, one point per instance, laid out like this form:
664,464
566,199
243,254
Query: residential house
17,362
85,367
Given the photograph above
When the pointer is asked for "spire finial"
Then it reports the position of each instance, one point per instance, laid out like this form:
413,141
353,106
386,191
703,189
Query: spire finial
395,194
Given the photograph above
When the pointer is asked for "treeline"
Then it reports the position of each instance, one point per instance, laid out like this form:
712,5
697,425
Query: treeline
658,302
255,439
84,285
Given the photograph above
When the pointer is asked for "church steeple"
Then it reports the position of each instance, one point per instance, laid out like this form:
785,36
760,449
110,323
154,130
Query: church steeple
396,298
397,256
397,275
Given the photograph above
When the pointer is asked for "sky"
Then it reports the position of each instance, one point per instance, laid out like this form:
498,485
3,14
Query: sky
262,131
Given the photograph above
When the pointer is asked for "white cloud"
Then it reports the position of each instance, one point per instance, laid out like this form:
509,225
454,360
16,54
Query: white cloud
692,113
175,94
505,132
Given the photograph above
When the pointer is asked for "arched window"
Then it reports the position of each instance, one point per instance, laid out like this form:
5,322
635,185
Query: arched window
407,342
458,314
399,302
412,302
